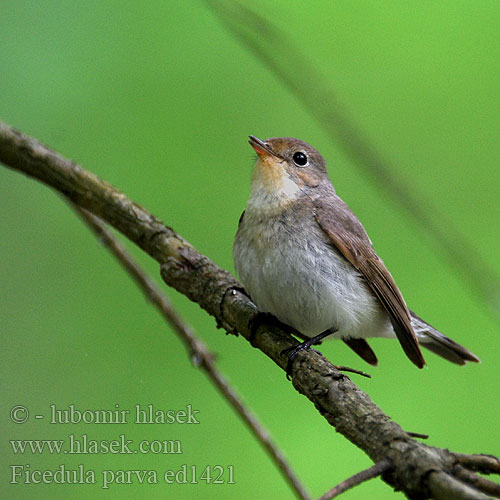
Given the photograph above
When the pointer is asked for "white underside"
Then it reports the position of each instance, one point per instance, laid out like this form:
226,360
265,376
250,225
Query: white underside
307,285
290,269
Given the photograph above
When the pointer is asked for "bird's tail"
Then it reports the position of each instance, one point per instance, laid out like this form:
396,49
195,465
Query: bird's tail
440,344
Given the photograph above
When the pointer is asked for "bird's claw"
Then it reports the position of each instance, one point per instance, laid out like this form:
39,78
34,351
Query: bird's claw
292,354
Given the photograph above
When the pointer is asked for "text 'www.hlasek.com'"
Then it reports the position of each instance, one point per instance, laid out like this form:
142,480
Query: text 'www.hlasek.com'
91,443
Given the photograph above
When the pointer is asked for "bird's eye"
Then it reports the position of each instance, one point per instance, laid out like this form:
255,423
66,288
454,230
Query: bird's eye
300,159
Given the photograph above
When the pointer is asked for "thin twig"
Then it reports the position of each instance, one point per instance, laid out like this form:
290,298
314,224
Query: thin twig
342,368
487,464
444,486
357,479
276,50
481,483
200,354
418,435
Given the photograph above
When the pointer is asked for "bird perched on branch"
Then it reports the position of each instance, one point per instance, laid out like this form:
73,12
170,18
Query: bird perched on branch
304,257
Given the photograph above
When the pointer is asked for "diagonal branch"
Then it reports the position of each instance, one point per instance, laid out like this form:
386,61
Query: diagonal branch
418,469
199,353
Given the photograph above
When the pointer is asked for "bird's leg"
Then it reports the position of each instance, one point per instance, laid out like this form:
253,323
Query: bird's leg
304,346
256,322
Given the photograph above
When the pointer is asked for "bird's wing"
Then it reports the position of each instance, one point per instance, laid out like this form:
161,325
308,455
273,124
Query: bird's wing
349,237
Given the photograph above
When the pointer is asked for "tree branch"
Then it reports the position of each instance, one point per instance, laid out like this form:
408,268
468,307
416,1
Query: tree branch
419,470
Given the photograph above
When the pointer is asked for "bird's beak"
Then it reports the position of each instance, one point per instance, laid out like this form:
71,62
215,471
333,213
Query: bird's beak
261,148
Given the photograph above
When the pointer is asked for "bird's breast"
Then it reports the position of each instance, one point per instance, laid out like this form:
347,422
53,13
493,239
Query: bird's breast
290,269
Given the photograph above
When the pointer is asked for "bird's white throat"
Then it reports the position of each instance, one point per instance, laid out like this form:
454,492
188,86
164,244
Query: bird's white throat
271,187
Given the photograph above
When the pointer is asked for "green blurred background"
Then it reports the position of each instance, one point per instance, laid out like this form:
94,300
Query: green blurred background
158,99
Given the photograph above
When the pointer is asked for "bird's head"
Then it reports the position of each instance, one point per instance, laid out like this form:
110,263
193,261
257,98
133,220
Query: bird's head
286,168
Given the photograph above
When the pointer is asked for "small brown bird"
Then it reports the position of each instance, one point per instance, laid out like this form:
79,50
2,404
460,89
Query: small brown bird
304,257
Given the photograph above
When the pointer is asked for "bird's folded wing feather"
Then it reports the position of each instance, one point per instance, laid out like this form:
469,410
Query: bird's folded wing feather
349,237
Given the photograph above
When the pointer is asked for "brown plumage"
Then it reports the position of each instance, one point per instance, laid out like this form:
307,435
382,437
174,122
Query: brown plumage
304,257
349,237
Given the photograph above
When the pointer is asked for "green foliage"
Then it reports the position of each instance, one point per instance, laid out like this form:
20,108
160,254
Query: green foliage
158,99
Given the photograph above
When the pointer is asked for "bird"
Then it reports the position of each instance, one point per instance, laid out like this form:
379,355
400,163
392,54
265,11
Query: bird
305,258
